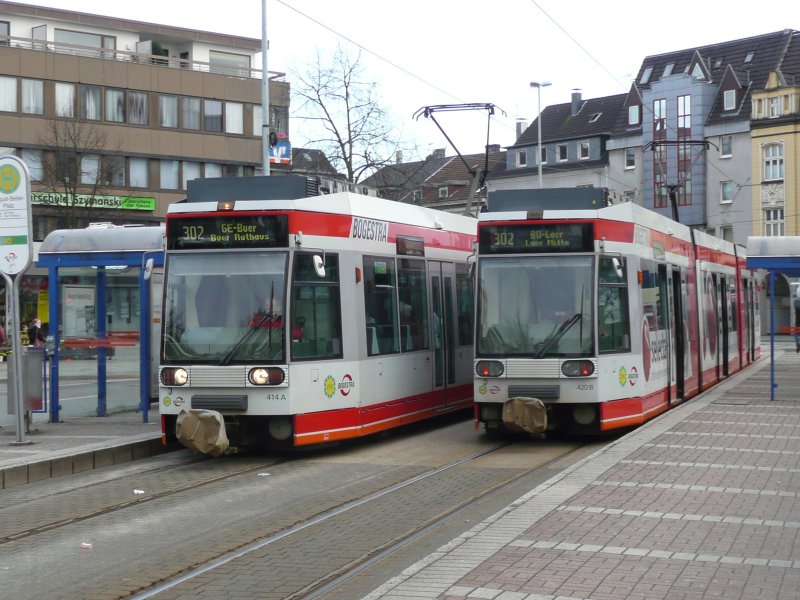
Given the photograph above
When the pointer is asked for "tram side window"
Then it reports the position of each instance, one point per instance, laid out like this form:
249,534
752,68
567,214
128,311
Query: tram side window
412,290
380,298
464,300
614,323
316,321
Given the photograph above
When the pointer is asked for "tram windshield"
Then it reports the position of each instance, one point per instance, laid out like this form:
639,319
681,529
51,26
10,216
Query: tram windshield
535,306
223,308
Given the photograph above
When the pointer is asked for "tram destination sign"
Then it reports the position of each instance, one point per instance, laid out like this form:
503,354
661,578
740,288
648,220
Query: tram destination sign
536,238
229,231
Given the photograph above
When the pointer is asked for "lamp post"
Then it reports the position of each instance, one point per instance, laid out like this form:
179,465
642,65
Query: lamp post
539,85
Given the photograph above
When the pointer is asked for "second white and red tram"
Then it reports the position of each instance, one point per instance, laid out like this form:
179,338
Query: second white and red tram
608,317
308,320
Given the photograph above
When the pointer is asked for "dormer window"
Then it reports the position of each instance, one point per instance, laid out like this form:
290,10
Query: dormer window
697,72
729,100
668,70
646,76
443,193
633,115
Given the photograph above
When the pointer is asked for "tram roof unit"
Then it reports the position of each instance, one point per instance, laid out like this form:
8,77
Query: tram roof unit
289,192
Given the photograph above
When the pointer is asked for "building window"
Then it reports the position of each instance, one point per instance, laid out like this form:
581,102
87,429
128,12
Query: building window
727,233
630,158
233,171
668,70
114,167
8,94
234,117
443,192
727,192
258,116
773,162
212,115
190,113
213,170
228,63
65,100
139,176
749,57
169,174
729,100
773,222
646,76
137,108
583,150
168,111
191,170
774,107
633,115
33,158
32,97
90,169
417,196
522,158
595,117
91,107
543,155
5,31
726,146
561,152
82,38
115,106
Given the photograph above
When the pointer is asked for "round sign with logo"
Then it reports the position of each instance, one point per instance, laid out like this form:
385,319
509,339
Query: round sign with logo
15,216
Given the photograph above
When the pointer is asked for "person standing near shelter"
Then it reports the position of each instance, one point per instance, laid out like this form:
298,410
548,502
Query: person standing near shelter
797,320
35,335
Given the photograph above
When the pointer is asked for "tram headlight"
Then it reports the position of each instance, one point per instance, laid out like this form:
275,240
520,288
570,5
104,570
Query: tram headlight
266,376
174,376
489,368
577,368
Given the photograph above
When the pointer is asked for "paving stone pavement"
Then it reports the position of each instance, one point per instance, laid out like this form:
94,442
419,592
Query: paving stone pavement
702,502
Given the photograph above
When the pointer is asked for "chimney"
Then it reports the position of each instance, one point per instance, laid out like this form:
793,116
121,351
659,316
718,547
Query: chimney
522,125
576,102
493,147
398,157
439,153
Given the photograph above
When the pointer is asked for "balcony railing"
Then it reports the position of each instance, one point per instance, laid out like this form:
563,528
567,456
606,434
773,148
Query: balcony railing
133,57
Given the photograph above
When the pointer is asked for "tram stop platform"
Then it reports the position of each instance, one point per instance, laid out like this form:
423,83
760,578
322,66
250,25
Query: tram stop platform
702,502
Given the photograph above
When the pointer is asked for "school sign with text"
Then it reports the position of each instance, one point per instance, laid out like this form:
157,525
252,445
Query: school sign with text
89,201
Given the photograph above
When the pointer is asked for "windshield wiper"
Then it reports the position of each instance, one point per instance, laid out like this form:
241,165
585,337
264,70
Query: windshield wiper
246,337
557,334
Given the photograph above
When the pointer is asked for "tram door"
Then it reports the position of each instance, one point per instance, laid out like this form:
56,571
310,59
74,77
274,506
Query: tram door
679,343
442,286
722,290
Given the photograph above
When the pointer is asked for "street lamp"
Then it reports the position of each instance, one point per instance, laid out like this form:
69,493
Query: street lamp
539,85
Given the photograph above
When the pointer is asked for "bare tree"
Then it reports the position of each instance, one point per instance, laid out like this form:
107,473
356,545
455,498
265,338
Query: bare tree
78,167
353,130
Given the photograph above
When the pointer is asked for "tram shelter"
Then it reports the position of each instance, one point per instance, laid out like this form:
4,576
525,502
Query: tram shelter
776,255
102,249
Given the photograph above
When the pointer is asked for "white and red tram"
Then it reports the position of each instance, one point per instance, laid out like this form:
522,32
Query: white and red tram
594,320
304,320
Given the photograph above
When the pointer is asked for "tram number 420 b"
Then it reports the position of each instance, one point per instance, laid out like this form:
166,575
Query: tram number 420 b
584,387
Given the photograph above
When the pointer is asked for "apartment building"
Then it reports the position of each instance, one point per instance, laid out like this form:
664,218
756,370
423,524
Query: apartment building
113,117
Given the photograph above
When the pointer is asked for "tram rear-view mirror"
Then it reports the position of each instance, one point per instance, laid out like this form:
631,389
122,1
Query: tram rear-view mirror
319,265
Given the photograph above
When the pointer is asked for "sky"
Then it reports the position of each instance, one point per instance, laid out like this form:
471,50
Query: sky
431,52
